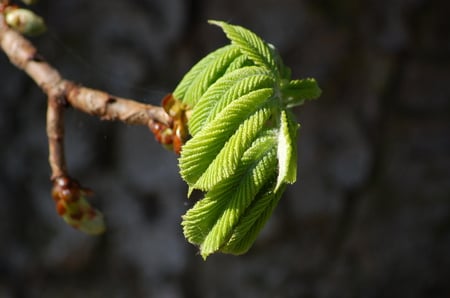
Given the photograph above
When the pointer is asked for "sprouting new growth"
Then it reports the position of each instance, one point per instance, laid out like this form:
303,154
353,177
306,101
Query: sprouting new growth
243,147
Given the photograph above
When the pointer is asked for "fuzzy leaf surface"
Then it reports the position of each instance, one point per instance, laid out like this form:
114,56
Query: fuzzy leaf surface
212,227
243,152
297,91
202,149
286,150
250,45
229,87
205,73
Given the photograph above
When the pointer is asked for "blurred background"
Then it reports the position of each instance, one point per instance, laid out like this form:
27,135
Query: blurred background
368,217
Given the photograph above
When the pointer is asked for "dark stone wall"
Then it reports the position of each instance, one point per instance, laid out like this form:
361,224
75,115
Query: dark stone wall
368,217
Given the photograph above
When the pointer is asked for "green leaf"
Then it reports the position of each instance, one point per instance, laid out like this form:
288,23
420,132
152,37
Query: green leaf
204,73
211,221
227,160
251,45
226,89
297,91
243,152
238,63
286,151
201,150
253,220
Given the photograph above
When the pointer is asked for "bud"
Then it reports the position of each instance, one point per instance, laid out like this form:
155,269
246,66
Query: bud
174,135
25,21
73,207
83,217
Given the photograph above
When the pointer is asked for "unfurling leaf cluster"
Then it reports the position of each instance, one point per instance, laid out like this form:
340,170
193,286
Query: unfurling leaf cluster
242,150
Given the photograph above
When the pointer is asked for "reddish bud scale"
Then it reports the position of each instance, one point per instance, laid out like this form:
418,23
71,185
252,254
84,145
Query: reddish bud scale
72,206
174,135
61,208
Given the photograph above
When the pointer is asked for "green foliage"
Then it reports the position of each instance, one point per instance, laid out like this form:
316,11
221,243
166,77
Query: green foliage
243,147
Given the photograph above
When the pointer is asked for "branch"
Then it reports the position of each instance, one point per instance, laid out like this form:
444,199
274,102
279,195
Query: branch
62,93
68,194
55,134
24,55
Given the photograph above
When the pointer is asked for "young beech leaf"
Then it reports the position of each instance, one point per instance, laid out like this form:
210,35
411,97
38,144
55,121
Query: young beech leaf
227,160
229,87
243,147
251,45
202,149
206,72
286,152
233,196
253,220
297,91
253,176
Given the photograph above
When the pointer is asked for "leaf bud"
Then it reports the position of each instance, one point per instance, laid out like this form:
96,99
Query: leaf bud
25,21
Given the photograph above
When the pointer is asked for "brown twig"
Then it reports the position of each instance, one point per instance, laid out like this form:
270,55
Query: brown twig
62,93
95,102
55,134
69,195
